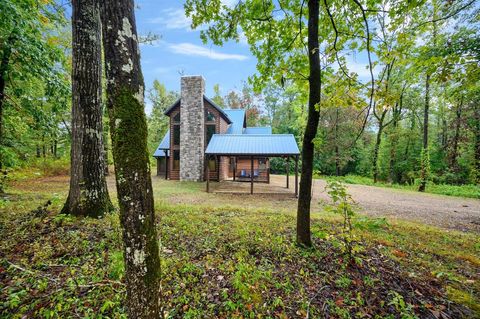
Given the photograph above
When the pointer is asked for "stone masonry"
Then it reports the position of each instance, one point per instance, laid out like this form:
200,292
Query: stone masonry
192,135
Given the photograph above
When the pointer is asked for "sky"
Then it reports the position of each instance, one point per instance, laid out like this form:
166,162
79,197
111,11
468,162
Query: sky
180,51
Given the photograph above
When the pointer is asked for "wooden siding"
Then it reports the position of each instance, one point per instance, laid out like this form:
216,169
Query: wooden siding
244,163
221,126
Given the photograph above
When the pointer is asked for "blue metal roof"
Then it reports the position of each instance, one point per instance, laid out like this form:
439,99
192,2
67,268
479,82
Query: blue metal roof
252,144
258,130
237,116
164,145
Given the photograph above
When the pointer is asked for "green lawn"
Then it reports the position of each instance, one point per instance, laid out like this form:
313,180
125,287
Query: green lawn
470,191
230,256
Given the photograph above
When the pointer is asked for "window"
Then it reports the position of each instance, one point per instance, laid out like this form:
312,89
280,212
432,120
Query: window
176,135
262,163
212,165
176,118
209,116
176,160
210,131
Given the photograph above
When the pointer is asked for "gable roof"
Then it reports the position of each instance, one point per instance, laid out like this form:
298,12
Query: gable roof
164,145
238,121
252,144
205,99
258,130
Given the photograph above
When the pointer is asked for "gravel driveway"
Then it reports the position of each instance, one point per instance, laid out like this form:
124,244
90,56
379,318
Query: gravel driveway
439,210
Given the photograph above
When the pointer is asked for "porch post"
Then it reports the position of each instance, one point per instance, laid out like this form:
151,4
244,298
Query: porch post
234,167
267,163
166,164
296,176
251,175
208,174
287,168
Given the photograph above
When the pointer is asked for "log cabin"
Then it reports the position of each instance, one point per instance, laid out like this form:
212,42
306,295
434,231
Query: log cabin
207,142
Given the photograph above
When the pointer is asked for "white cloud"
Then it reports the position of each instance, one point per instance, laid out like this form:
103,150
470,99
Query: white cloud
173,19
196,50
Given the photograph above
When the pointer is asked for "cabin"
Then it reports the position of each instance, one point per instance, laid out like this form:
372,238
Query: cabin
206,142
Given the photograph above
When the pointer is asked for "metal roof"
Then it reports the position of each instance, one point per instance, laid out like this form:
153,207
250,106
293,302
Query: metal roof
164,145
258,130
237,116
252,144
218,108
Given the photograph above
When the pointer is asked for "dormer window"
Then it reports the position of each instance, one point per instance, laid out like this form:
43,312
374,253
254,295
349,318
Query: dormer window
209,116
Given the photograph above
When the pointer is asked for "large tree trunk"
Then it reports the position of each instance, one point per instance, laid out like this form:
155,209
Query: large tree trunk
305,195
425,158
128,129
88,195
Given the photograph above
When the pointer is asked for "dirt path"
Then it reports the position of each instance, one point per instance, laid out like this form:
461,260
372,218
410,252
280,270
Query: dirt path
444,211
438,210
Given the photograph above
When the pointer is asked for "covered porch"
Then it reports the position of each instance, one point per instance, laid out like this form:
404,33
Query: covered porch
252,148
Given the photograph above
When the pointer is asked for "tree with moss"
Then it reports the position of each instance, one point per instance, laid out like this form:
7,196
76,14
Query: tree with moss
128,129
88,195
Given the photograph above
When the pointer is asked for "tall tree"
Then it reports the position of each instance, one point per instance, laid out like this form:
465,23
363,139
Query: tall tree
27,52
88,195
128,128
315,86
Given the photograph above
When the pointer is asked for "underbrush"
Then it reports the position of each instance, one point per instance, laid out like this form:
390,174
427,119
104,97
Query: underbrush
469,191
234,262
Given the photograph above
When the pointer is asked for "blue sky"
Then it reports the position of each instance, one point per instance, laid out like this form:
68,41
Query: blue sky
180,50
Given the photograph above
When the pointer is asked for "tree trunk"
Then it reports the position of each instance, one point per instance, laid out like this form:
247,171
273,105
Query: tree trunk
105,152
88,195
305,195
456,137
128,129
393,149
337,149
378,141
476,132
425,158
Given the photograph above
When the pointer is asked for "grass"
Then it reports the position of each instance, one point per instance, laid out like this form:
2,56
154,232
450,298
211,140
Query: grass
469,191
229,256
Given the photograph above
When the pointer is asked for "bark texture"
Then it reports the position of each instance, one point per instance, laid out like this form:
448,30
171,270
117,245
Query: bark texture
88,195
425,151
128,129
305,194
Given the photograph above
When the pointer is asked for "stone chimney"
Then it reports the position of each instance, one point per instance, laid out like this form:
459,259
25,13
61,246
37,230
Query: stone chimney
192,135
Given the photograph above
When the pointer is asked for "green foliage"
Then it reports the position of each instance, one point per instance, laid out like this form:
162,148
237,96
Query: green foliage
157,122
470,190
37,90
226,257
343,206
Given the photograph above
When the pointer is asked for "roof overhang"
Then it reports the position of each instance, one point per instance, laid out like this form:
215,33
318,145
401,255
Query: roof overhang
215,106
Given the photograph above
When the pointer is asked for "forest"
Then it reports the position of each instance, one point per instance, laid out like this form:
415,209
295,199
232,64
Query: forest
87,229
